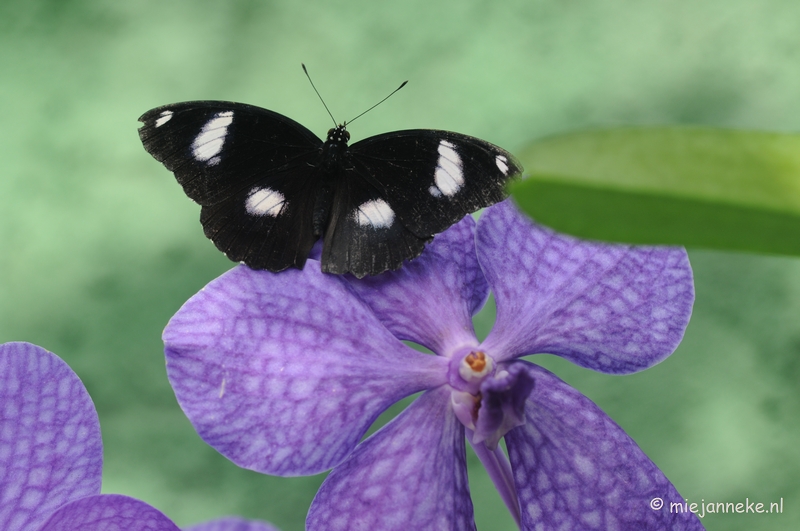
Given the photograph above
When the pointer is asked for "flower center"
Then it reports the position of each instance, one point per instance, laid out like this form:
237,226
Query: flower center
488,399
466,376
475,366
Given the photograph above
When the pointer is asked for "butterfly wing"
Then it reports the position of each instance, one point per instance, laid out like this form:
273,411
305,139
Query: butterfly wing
364,236
268,225
404,187
254,171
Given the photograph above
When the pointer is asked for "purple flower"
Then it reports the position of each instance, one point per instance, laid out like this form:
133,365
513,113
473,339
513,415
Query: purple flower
232,523
51,455
284,373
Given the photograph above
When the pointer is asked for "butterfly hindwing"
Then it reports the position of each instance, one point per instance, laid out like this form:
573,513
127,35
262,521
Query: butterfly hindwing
268,225
434,178
365,236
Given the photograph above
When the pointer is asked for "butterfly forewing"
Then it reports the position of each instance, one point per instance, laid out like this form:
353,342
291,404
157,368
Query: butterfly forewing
212,147
434,178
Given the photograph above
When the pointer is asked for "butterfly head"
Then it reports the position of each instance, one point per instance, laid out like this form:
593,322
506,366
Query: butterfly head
338,134
334,147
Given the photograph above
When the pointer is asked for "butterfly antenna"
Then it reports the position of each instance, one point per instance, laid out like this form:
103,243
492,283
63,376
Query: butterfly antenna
320,97
403,84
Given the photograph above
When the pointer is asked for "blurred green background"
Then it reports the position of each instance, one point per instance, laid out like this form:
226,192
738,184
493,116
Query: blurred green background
99,246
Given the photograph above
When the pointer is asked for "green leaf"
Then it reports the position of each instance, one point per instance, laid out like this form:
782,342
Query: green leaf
720,189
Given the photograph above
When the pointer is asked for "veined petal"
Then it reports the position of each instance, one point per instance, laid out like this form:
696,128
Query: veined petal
108,512
232,523
283,373
610,308
411,474
431,299
50,446
576,469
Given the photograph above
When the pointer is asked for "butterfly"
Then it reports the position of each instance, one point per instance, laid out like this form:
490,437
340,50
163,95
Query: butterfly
269,188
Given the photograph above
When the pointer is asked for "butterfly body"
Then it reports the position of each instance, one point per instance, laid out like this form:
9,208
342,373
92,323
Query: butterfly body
269,188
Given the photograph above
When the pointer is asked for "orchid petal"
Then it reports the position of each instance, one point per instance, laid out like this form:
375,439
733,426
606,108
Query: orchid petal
610,308
431,299
50,446
411,474
232,523
108,512
576,469
283,373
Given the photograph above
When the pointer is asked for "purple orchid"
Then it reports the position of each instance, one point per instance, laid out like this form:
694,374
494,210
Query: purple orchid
51,455
284,373
232,523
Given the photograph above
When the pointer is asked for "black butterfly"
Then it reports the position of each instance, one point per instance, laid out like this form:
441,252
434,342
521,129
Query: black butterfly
269,188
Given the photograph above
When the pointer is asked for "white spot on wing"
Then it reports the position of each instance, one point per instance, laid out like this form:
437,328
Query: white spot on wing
449,177
163,118
375,213
502,163
208,143
264,202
